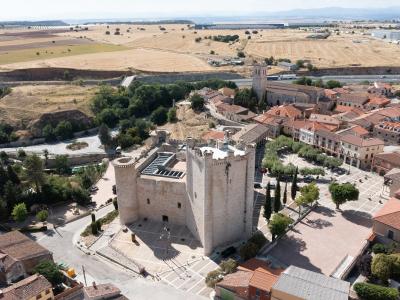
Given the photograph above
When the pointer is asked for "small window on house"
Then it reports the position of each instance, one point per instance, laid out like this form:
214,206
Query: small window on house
38,297
148,201
195,195
390,234
47,292
179,205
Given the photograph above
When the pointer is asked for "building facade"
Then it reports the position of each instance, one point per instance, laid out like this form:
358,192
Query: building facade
207,188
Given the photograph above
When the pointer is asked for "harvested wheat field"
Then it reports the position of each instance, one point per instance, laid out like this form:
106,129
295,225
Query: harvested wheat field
190,124
178,48
26,103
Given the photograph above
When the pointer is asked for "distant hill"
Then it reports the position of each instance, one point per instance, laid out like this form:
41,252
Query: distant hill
34,23
340,13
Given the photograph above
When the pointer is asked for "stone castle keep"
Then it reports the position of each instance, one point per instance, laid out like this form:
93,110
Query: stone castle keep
207,188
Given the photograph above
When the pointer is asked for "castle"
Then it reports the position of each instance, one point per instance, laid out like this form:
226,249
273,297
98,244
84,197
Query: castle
207,188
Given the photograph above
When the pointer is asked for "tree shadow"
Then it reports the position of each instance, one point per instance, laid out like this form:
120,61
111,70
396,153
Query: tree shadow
288,251
317,223
358,217
325,211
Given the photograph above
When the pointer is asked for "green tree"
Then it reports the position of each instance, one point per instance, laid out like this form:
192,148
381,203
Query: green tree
64,130
104,135
284,200
197,103
46,156
300,63
381,267
277,198
34,171
308,195
341,193
50,271
159,116
268,204
331,84
12,175
19,212
172,115
42,215
368,291
61,165
48,133
248,250
279,224
294,184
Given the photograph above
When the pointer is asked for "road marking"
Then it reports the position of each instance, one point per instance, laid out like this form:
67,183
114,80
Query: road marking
198,293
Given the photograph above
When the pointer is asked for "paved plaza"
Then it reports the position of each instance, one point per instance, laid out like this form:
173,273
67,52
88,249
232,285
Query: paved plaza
327,237
169,253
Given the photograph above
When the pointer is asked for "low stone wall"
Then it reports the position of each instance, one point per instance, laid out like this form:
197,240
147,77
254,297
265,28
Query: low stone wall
190,77
46,74
352,71
78,160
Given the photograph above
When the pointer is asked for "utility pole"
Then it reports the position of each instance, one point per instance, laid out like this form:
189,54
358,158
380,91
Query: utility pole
84,274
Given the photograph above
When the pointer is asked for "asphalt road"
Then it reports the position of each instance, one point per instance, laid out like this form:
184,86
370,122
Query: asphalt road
61,242
345,79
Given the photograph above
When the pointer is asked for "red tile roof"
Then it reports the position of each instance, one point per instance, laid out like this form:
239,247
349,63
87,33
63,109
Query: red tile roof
263,279
378,101
20,247
285,111
27,288
267,119
213,135
231,108
342,108
389,214
360,142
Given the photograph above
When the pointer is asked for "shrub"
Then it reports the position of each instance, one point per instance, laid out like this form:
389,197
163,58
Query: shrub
115,203
50,271
248,250
241,54
42,215
367,291
228,266
19,212
213,278
258,239
94,228
379,248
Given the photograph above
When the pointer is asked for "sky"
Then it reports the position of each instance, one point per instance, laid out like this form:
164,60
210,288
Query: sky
90,9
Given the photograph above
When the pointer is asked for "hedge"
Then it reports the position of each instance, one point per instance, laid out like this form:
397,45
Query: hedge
368,291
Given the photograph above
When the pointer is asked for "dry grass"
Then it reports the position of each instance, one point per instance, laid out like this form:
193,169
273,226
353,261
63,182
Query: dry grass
190,124
26,103
176,50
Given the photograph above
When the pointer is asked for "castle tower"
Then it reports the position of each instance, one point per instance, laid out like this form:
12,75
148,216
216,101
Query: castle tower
260,72
220,192
125,177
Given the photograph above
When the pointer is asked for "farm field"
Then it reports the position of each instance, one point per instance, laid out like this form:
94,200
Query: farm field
173,48
27,103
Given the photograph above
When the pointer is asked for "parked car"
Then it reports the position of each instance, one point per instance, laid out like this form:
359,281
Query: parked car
93,189
257,185
308,179
228,252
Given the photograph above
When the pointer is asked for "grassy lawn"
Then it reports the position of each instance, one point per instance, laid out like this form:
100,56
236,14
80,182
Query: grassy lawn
8,57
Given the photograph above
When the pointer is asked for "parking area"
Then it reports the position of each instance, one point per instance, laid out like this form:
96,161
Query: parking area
327,238
169,253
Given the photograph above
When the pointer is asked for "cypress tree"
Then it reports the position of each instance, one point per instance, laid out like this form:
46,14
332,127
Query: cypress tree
277,199
267,204
284,200
294,184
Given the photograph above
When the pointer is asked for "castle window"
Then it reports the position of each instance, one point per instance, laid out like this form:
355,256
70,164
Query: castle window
195,195
179,205
148,201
